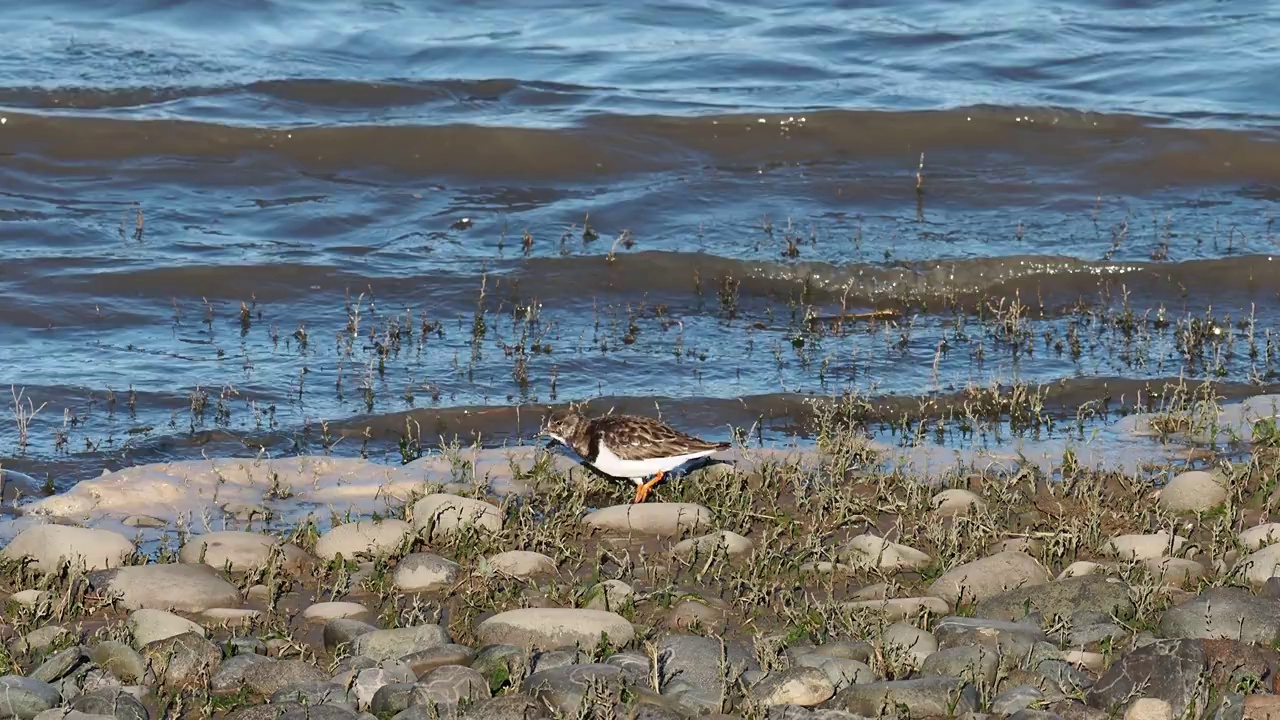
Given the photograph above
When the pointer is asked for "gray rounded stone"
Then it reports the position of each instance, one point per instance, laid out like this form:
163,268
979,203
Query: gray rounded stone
187,588
112,702
267,678
657,519
450,687
424,572
344,631
551,628
120,660
1193,491
183,660
398,642
243,551
24,698
49,546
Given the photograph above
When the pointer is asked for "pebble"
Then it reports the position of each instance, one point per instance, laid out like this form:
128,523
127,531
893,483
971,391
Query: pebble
1224,612
366,683
1261,565
29,598
909,642
25,698
698,615
60,664
957,501
722,543
521,564
1096,593
344,631
975,662
564,689
1144,547
230,675
189,588
1015,699
550,628
364,537
989,576
398,642
49,546
1080,568
324,611
243,551
147,626
1192,491
447,514
658,519
425,572
39,640
871,551
612,595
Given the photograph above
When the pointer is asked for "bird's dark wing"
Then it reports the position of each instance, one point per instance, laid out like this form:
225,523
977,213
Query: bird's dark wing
634,437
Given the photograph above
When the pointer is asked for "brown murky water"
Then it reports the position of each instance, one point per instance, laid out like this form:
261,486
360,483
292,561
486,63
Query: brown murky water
252,223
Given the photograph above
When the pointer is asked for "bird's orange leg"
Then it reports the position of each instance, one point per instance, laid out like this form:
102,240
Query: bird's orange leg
642,491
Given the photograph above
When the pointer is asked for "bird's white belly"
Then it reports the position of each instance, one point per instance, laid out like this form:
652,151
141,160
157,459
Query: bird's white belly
638,470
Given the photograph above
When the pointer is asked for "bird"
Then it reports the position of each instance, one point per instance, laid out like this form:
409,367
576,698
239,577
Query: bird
635,447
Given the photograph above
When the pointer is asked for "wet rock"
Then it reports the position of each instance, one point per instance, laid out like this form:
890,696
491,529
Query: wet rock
325,611
230,675
900,608
1008,638
1060,598
905,641
267,678
243,551
344,631
398,642
148,626
610,595
720,544
841,672
870,551
424,661
111,702
446,688
521,564
49,546
550,628
801,686
973,663
1014,699
24,698
425,572
16,486
364,537
1224,612
188,588
120,660
1260,536
924,697
988,577
957,501
1144,547
443,515
1193,491
60,664
1149,709
659,519
565,690
183,661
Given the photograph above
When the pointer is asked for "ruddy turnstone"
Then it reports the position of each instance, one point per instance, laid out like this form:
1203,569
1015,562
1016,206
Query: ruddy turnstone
628,446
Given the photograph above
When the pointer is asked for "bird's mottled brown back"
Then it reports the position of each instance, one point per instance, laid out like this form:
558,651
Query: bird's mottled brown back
634,437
